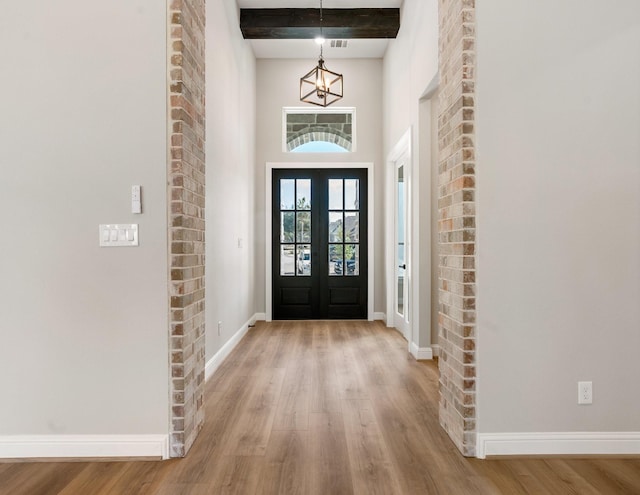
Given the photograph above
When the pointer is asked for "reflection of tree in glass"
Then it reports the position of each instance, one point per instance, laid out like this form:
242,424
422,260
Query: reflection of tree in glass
349,252
335,231
287,227
304,223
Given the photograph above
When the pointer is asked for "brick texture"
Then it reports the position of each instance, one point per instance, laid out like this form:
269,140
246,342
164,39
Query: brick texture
456,223
186,177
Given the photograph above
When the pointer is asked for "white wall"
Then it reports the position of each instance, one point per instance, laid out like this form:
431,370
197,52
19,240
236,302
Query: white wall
84,329
278,87
558,123
410,64
230,158
410,68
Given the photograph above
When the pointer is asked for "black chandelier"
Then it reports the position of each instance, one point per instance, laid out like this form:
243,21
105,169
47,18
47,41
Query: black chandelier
320,86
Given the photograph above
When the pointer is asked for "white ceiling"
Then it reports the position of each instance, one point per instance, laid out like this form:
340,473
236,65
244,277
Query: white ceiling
356,48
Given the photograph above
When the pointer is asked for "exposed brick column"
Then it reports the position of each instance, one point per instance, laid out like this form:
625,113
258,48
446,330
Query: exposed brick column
186,220
456,223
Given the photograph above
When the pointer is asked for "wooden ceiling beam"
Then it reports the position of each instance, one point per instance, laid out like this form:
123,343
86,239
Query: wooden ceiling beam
305,23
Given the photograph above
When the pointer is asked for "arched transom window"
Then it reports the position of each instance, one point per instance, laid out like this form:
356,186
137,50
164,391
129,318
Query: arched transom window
319,131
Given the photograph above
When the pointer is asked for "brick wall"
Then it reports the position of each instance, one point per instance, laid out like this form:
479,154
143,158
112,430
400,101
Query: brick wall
186,177
456,222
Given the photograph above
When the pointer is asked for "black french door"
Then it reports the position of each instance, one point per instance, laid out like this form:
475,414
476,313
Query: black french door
319,240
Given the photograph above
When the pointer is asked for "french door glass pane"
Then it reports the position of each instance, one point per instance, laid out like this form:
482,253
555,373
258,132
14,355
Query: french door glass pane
287,194
295,227
287,260
351,194
344,226
287,226
352,259
303,194
303,227
335,259
303,260
335,194
335,227
351,226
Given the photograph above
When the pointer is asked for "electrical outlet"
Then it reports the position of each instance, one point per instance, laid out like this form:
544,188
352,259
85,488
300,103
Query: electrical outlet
219,328
585,393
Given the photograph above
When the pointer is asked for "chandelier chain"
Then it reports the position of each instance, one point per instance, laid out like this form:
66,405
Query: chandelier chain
321,33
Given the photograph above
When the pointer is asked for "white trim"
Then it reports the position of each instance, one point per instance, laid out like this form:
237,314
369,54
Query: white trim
431,88
558,443
214,363
380,316
268,226
77,446
421,353
258,317
436,350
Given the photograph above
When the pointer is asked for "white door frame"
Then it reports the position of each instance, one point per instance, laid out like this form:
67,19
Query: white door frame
400,150
268,226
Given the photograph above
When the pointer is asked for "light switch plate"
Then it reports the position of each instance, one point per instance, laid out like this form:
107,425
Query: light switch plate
136,199
118,234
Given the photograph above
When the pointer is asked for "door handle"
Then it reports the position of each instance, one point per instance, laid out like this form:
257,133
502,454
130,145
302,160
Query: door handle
404,267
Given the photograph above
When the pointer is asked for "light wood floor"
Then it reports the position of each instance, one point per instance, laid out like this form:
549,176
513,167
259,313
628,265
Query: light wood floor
324,408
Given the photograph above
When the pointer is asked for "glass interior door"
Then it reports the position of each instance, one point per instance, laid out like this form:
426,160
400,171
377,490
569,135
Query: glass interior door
400,243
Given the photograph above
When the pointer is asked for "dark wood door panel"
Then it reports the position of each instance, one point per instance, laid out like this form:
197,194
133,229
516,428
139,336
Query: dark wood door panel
312,280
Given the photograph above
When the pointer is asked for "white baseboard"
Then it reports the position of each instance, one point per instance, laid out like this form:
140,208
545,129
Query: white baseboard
258,317
436,349
380,316
214,363
420,353
78,446
559,443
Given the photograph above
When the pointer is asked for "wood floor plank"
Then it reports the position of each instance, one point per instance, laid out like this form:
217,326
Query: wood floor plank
286,465
38,478
292,412
628,472
320,336
573,481
408,450
350,381
95,478
330,470
325,387
603,478
372,470
135,476
238,475
324,408
184,489
252,429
